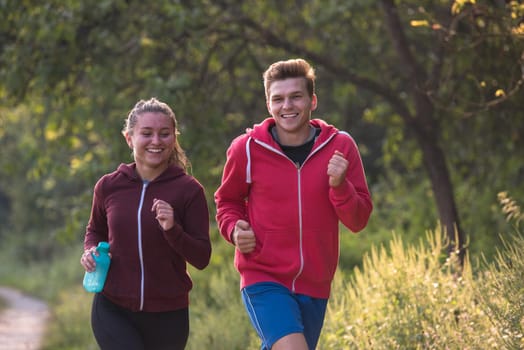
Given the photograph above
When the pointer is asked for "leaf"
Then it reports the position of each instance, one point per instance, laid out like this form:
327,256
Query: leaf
419,23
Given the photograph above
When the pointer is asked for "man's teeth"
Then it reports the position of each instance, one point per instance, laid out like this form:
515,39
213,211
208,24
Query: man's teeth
289,115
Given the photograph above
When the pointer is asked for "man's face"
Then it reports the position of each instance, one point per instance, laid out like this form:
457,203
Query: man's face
290,105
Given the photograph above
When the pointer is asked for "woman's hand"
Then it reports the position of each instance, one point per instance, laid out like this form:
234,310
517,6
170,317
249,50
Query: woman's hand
87,260
164,214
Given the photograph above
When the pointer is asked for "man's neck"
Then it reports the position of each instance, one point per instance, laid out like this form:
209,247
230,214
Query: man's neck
293,139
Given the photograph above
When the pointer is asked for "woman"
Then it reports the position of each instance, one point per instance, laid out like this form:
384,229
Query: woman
155,218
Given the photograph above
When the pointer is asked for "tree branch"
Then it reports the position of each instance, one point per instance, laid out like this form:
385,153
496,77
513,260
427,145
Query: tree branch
334,67
416,73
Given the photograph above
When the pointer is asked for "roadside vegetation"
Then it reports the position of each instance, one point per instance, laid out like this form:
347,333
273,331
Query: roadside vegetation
403,296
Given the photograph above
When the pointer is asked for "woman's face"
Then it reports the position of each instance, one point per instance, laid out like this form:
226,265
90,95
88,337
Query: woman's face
152,140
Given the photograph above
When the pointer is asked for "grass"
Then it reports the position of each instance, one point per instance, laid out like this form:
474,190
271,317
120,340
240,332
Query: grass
404,296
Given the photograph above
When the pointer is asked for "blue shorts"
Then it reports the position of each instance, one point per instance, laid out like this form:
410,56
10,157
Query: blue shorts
276,312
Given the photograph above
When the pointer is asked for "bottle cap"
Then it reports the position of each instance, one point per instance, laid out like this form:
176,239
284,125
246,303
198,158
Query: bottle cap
103,246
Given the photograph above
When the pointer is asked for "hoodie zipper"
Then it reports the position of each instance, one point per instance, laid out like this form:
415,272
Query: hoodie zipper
301,248
145,183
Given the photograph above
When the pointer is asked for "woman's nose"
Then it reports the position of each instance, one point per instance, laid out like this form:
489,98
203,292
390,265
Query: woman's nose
156,138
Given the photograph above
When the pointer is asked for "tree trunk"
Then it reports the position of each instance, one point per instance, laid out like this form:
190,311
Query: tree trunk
424,126
427,136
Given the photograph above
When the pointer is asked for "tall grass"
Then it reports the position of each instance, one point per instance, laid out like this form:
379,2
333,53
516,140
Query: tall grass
501,289
218,319
407,298
413,297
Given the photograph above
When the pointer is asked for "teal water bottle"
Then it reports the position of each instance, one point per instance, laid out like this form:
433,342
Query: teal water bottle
94,280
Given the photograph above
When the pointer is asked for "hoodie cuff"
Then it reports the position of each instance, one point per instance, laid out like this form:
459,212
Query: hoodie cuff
344,190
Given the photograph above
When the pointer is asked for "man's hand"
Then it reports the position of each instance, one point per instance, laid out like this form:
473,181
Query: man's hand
243,237
337,169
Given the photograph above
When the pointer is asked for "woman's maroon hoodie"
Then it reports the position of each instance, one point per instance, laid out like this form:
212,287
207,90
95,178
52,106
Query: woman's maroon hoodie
148,265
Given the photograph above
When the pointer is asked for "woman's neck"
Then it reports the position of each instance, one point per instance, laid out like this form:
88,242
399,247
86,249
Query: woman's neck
148,173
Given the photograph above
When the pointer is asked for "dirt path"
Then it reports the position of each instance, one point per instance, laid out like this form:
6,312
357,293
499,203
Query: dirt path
22,322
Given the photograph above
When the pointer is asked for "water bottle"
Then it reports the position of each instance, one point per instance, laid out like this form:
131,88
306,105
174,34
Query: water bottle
94,280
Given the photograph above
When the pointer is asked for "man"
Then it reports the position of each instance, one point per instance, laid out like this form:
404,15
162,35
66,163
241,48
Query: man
286,184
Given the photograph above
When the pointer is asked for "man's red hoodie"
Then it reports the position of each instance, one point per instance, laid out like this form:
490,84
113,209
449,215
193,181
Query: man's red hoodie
292,210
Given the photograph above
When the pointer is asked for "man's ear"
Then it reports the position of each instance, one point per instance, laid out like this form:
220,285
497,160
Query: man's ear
314,102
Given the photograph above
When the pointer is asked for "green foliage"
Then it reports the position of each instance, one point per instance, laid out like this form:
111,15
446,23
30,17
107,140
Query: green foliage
407,298
402,204
71,70
501,286
218,318
71,325
416,297
404,296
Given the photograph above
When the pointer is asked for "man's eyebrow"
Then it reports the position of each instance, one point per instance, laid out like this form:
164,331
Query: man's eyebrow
291,93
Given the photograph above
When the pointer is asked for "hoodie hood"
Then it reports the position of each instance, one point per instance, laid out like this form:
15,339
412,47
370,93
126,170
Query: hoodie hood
129,170
261,132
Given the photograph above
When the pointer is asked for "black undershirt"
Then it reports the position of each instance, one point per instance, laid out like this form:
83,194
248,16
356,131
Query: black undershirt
298,154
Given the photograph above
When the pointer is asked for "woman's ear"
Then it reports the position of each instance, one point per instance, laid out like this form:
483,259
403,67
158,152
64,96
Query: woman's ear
129,139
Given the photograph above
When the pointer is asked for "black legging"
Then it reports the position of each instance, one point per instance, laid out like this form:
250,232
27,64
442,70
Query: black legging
116,328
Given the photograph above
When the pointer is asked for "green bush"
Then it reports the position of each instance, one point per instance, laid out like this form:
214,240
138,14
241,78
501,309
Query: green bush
218,320
70,328
217,316
501,287
407,298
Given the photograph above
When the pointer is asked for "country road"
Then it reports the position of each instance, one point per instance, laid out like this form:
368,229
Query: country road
22,323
